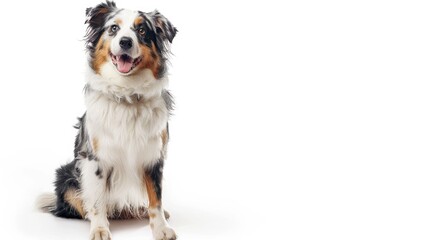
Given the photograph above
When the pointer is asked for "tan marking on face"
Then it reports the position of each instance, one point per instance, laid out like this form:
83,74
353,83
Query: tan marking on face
72,198
118,21
156,64
152,215
95,145
103,10
153,199
101,54
139,20
150,59
151,225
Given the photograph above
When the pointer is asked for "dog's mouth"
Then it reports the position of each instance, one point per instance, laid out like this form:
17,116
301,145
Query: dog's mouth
125,63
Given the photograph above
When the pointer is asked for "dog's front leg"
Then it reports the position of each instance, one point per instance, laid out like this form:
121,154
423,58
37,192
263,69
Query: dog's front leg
160,228
95,188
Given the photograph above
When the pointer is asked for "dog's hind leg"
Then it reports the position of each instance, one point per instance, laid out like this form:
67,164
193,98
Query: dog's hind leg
66,201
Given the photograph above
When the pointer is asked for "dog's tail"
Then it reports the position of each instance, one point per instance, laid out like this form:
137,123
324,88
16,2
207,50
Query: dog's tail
47,202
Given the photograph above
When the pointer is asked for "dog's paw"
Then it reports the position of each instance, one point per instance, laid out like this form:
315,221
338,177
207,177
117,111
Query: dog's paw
164,233
100,233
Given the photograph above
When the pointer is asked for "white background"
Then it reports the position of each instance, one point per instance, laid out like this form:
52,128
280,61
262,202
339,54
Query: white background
294,119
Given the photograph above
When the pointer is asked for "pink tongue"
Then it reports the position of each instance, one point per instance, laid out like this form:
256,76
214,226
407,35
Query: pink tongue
124,66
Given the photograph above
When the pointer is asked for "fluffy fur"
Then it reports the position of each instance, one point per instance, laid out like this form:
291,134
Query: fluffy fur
122,138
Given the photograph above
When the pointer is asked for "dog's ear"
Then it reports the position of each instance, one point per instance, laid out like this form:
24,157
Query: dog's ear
96,16
164,28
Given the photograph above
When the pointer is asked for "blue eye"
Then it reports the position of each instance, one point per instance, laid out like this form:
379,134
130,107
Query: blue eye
114,28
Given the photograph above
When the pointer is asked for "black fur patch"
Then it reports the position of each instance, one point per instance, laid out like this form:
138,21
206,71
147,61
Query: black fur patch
149,36
91,156
169,100
155,173
67,178
99,173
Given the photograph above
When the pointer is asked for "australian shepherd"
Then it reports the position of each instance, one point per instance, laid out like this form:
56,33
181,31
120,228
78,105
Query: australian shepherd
122,138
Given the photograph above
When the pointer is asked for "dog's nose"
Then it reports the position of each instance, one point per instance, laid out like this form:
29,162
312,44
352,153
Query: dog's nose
126,43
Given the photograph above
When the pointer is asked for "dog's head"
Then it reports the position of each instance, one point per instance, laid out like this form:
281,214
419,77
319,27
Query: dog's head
127,41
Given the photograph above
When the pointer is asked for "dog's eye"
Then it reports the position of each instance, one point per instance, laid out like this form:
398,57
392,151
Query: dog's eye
114,28
141,31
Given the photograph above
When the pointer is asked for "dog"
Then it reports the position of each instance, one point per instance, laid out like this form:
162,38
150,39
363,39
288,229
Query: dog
122,138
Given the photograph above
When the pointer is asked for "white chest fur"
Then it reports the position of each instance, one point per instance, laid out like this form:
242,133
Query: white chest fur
125,136
126,132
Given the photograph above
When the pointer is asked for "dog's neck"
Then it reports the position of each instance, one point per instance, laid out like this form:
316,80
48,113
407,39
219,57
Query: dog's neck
119,98
126,89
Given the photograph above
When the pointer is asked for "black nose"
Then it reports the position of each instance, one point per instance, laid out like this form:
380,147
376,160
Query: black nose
126,43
